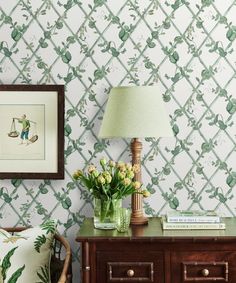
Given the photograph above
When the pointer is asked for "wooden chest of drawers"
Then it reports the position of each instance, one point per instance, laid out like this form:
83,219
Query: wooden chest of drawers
149,254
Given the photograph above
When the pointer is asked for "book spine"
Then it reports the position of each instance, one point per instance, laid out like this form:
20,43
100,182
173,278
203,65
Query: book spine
193,226
193,219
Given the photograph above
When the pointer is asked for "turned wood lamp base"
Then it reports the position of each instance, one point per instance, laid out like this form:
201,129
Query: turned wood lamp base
137,217
142,220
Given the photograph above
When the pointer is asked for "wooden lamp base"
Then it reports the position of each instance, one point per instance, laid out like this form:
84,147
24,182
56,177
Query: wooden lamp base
137,217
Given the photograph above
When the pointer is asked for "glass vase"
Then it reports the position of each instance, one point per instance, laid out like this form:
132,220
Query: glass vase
105,213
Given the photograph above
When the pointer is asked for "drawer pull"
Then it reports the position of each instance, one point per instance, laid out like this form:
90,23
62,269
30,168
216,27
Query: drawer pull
130,273
205,272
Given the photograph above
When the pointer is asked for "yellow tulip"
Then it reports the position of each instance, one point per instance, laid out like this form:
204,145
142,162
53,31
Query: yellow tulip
103,161
91,168
112,163
137,185
108,179
95,173
126,181
101,180
130,175
146,193
77,174
129,166
121,175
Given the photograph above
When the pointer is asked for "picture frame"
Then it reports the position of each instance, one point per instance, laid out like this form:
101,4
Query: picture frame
32,131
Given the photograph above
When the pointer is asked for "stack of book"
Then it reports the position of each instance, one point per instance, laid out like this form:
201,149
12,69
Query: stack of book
192,220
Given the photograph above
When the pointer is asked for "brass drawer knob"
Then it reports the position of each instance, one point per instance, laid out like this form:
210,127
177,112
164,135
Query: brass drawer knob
130,273
205,272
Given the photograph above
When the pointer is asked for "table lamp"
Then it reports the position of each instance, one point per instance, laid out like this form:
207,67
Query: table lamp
135,112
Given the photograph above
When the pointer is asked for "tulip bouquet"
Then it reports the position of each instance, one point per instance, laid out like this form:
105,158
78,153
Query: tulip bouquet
115,181
108,187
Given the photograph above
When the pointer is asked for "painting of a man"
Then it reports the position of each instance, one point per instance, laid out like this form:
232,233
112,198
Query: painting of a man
25,129
22,134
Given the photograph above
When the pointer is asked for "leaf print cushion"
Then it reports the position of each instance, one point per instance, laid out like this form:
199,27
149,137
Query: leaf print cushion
25,256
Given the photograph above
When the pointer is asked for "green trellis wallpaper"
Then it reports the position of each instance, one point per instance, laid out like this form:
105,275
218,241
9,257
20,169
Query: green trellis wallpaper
185,47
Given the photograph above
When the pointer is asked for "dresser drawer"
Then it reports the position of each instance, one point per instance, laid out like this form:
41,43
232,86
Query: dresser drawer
130,271
203,267
130,266
205,271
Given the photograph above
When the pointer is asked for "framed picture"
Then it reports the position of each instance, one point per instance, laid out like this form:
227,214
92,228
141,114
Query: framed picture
32,131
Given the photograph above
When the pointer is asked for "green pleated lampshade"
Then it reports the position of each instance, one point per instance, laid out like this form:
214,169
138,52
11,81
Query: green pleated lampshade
135,112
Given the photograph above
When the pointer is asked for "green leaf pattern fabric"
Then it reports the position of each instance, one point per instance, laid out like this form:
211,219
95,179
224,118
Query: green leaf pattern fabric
25,256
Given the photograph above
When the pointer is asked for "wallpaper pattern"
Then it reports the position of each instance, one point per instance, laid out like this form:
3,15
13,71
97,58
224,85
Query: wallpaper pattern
185,47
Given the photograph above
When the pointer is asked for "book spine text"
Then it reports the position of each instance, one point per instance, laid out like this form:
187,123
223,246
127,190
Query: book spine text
193,219
202,226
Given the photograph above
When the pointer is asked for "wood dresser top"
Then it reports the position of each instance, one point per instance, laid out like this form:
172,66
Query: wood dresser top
153,232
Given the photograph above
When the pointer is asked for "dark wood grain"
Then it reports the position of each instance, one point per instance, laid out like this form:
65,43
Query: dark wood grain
170,256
